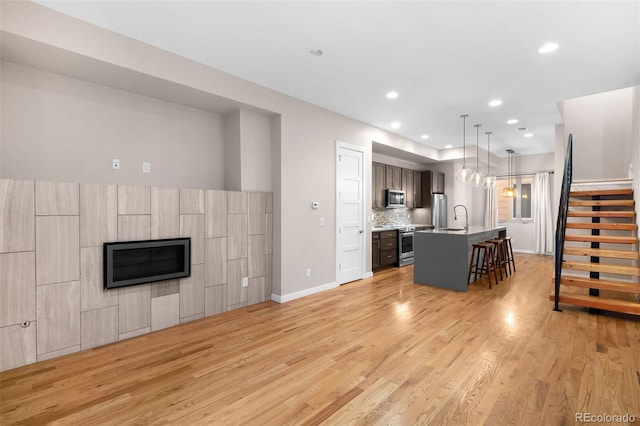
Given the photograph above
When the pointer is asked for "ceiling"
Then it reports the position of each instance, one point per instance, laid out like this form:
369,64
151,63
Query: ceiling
443,58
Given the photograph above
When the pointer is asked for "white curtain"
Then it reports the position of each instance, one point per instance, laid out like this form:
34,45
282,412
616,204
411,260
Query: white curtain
542,217
491,209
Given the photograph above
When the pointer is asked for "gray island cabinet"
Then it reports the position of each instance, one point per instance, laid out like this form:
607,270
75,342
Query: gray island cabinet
441,256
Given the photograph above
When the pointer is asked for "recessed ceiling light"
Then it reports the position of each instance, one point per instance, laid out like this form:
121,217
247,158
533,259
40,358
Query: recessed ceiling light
528,135
495,102
448,146
392,95
512,121
316,52
424,137
548,48
396,125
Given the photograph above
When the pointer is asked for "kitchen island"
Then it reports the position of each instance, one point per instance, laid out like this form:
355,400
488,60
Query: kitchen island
441,256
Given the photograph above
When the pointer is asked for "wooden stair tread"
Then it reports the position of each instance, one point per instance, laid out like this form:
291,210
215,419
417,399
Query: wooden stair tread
602,267
586,251
601,203
612,213
601,239
614,305
600,192
610,226
584,282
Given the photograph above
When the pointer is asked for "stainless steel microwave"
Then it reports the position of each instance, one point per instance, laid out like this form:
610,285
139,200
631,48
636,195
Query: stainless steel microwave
394,198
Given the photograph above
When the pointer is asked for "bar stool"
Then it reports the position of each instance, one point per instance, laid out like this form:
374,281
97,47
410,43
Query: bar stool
500,248
509,253
484,267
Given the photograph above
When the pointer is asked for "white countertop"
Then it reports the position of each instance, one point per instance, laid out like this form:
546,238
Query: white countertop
472,230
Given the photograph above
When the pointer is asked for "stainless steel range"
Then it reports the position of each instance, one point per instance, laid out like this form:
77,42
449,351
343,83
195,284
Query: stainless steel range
405,245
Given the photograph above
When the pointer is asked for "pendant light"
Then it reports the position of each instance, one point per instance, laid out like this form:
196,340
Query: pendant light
490,183
463,175
477,177
509,191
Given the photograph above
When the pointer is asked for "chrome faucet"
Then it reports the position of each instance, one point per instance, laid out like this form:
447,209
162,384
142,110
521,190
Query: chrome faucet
466,216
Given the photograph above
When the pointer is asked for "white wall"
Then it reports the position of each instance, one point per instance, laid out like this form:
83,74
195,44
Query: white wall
64,129
256,151
602,134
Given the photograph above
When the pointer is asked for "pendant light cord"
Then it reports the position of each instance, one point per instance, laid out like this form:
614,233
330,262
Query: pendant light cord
464,140
477,126
488,153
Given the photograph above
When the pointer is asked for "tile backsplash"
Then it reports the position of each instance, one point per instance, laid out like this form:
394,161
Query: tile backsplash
390,217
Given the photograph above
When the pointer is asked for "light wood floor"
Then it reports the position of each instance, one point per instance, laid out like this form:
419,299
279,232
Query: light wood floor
377,351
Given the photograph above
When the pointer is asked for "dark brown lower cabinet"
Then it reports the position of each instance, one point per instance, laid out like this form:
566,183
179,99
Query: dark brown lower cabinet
375,250
388,254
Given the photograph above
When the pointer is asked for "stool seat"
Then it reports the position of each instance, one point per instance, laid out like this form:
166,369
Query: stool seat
486,266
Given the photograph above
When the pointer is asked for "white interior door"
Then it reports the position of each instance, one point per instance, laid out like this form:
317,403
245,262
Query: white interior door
349,212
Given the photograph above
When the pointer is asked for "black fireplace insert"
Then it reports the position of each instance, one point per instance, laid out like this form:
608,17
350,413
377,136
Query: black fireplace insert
137,262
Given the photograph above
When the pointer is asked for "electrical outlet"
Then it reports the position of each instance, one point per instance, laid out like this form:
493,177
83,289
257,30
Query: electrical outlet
245,281
146,167
115,163
322,221
308,272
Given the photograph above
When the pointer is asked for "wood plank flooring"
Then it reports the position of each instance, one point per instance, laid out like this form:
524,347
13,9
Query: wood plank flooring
377,351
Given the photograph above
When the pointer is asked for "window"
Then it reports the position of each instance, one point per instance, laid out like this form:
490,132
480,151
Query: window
519,207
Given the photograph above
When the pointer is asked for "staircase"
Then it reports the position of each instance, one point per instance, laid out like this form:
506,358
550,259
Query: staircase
601,243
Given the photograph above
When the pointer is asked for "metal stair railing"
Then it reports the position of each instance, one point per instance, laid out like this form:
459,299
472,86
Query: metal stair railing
561,225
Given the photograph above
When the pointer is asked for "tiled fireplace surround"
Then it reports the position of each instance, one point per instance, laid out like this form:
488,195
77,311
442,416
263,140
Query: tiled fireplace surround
52,300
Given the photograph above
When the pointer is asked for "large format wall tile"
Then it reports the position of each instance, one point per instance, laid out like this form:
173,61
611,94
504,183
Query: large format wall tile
92,292
192,201
98,327
269,241
134,310
257,255
57,249
215,300
58,316
165,288
237,202
237,269
17,211
57,199
58,353
256,291
134,333
98,214
134,227
215,214
257,219
165,213
192,292
268,287
215,250
193,226
134,199
17,346
165,311
17,288
238,237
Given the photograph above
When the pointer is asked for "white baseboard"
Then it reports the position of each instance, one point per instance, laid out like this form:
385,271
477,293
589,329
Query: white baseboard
298,294
367,275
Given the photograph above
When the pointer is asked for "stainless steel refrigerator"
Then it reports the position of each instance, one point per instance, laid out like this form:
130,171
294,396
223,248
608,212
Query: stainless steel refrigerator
439,210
